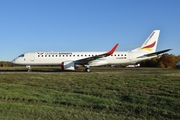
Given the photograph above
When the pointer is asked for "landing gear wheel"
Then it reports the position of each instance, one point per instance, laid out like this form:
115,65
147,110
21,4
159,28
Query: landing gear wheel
88,70
29,68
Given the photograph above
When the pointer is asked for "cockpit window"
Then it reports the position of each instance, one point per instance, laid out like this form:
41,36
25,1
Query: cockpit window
21,55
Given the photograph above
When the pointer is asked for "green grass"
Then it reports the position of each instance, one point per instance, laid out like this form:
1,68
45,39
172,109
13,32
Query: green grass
125,94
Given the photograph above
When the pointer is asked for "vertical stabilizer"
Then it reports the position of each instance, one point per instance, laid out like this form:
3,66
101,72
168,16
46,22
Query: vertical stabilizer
150,44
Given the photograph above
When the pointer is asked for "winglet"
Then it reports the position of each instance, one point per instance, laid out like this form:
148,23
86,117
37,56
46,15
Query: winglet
112,50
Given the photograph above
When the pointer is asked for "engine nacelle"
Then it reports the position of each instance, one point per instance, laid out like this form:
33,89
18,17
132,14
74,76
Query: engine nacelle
68,65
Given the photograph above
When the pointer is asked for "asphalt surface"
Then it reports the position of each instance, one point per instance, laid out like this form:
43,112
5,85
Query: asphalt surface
95,70
121,71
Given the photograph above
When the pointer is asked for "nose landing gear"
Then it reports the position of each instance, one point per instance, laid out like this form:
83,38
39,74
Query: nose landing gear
28,67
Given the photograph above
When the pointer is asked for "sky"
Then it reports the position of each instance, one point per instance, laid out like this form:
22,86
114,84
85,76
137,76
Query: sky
86,25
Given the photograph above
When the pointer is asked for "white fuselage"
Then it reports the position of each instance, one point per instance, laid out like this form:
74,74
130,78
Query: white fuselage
56,58
71,60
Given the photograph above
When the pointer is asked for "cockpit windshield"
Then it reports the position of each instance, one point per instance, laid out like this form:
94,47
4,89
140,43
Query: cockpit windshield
22,55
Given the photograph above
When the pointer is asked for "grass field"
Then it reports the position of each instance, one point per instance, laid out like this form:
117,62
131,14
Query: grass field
123,94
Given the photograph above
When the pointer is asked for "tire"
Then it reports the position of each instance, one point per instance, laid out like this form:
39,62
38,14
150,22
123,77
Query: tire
88,70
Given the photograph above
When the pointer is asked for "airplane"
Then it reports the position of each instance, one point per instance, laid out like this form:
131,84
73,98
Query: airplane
72,60
178,64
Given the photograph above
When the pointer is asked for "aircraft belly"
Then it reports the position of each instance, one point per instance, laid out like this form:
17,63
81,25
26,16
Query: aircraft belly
98,63
117,60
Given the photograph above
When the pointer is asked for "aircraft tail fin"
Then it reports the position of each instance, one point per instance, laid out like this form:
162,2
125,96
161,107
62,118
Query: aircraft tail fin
150,44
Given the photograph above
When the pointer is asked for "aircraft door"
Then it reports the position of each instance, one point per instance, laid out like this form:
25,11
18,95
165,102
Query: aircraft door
32,56
130,55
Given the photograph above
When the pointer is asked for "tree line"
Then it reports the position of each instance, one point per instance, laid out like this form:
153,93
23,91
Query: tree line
5,64
164,61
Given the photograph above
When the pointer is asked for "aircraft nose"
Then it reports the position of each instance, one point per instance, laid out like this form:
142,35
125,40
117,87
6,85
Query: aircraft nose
13,61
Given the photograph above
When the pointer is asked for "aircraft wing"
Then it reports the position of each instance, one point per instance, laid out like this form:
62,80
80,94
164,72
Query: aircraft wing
86,60
155,53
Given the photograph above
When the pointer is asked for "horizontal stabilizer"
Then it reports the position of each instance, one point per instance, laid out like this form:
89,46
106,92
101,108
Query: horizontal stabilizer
155,53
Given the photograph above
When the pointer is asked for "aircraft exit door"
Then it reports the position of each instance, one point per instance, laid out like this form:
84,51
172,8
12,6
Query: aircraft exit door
32,56
130,55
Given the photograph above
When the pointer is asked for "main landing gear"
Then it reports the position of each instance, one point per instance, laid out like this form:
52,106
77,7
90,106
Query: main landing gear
87,68
28,67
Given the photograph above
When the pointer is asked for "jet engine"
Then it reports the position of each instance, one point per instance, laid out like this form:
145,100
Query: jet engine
68,65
